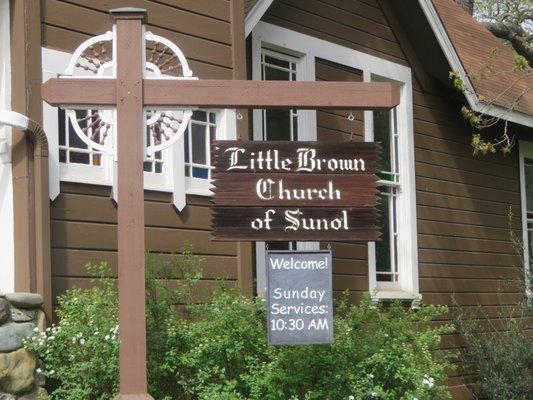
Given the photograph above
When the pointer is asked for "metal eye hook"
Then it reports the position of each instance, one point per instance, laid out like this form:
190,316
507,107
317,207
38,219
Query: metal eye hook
351,118
239,118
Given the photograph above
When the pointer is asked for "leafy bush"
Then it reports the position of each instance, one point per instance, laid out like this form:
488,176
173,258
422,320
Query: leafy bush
499,352
218,350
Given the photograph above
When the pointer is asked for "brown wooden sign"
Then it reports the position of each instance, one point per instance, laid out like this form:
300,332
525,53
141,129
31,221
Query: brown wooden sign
305,191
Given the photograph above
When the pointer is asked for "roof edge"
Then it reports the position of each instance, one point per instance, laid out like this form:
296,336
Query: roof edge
455,63
255,14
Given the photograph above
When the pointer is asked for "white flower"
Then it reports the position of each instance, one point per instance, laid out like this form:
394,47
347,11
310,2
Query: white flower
36,329
370,376
38,370
52,372
350,397
82,341
428,381
373,394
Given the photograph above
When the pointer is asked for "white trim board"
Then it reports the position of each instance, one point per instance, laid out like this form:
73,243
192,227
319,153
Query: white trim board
308,49
7,236
455,63
254,15
525,150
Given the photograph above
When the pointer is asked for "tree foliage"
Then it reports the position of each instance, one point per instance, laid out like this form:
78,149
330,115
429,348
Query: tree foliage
512,22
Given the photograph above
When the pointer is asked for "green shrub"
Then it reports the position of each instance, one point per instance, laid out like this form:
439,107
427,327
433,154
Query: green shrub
218,350
499,352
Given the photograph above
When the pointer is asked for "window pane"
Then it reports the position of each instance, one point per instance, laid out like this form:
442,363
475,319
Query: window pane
186,144
278,124
387,248
528,173
383,259
199,116
276,61
198,144
273,74
73,138
61,126
278,245
382,130
200,172
79,158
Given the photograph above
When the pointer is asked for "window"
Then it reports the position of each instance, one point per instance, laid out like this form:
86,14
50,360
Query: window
279,124
526,189
386,251
72,150
393,270
393,262
198,136
280,64
183,168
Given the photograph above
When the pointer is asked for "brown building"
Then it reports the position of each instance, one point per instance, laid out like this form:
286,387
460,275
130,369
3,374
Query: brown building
445,212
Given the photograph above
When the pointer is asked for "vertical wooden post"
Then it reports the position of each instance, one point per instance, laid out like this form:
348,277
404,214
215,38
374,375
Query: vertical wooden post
238,46
130,59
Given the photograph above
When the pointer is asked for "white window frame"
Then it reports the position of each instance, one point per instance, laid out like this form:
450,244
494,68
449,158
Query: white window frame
310,48
525,150
307,128
172,179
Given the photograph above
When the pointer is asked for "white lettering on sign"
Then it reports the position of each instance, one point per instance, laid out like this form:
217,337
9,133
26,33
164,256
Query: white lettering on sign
296,222
263,223
291,263
268,189
306,161
299,302
312,224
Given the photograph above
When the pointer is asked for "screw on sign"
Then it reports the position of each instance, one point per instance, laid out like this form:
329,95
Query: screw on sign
127,98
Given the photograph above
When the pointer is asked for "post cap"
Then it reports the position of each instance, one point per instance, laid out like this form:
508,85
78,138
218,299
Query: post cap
128,13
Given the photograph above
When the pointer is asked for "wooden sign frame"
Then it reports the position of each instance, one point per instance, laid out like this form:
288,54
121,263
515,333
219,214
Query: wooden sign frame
295,191
130,92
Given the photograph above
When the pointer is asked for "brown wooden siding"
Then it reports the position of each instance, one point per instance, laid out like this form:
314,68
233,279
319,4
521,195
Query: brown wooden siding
84,231
355,24
463,201
83,217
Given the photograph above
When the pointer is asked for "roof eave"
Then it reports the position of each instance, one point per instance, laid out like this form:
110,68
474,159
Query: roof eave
255,14
455,63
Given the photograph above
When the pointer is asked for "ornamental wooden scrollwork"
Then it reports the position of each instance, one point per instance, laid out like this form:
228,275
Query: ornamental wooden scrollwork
94,59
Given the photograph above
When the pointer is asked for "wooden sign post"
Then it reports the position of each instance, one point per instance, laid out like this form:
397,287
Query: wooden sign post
131,93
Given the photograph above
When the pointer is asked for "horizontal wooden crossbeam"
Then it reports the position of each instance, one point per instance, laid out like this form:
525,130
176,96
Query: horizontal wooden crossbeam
227,93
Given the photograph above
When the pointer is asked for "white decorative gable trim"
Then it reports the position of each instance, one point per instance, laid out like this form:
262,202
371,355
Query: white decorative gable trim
255,15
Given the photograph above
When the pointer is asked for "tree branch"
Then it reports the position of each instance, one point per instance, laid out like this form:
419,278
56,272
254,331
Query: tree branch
512,34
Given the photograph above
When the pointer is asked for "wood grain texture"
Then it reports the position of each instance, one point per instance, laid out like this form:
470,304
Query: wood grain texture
236,223
229,93
280,150
271,94
240,190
